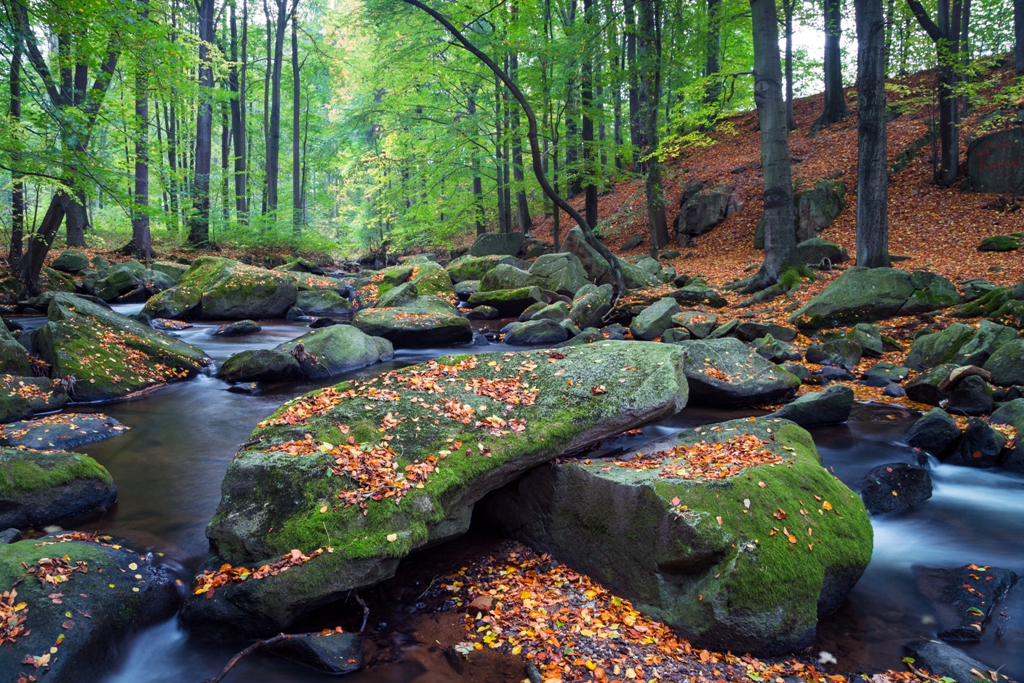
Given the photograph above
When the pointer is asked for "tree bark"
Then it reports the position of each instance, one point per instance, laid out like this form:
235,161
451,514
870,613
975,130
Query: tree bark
787,9
274,132
478,183
17,182
629,13
587,133
141,244
649,68
1018,36
199,218
522,206
235,85
713,54
872,162
499,162
296,135
835,100
780,236
77,219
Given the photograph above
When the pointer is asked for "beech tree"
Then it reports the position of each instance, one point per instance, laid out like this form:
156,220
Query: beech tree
872,161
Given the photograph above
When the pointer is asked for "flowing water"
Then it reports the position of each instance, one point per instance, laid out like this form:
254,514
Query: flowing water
169,466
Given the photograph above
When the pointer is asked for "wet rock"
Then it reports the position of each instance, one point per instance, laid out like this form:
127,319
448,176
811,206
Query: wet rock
216,288
964,598
259,365
931,350
895,487
466,289
335,350
238,328
881,374
557,311
978,446
893,390
683,551
432,280
267,489
770,348
108,354
62,432
70,261
9,536
929,387
797,370
591,305
654,320
698,323
865,294
934,432
323,302
749,331
614,332
817,250
562,272
108,593
509,302
483,313
724,372
297,314
843,353
335,653
40,488
1012,413
676,334
427,321
831,406
970,396
492,244
536,332
1007,364
941,660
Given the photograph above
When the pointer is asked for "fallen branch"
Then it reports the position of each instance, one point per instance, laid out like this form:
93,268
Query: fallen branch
366,611
252,648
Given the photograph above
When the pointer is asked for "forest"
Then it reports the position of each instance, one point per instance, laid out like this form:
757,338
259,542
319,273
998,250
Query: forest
533,341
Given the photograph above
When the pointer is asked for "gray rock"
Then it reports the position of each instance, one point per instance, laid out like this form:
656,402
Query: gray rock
881,374
676,334
941,660
323,302
925,387
831,406
483,313
1012,413
934,432
70,261
40,488
930,350
597,267
978,446
532,310
591,306
649,265
62,432
797,370
988,339
8,536
1007,364
770,348
654,320
508,302
749,331
332,351
895,487
259,365
699,323
893,390
403,294
536,332
843,353
964,598
562,272
492,244
335,653
738,376
557,311
702,212
970,396
817,250
427,321
239,328
994,162
466,289
816,209
869,337
631,243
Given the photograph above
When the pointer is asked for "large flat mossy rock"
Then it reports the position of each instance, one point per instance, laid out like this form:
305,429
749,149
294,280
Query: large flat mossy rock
562,272
866,294
331,351
1007,364
77,636
110,355
475,267
725,372
745,560
223,289
425,321
427,442
323,302
39,488
508,302
432,280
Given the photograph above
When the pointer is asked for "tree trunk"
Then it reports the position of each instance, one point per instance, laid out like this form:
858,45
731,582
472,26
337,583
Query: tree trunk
634,91
296,134
787,9
587,133
172,163
478,183
522,206
780,236
274,132
225,163
649,67
1018,35
235,85
499,162
713,54
141,244
872,162
199,218
17,183
77,219
835,100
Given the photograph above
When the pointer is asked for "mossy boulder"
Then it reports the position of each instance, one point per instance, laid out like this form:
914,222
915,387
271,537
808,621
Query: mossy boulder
561,272
596,266
119,281
818,250
432,280
70,261
426,321
217,288
41,394
843,353
544,331
591,305
498,416
505,276
492,244
239,328
1012,413
156,281
725,372
61,432
509,302
171,270
773,350
260,365
13,356
814,409
557,311
39,488
56,281
1002,242
403,294
475,267
109,354
866,294
698,323
323,302
745,563
925,387
652,322
1007,364
78,636
937,348
331,351
749,331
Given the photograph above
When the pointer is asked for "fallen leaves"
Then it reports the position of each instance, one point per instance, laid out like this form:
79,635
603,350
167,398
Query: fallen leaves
208,581
12,617
704,461
55,571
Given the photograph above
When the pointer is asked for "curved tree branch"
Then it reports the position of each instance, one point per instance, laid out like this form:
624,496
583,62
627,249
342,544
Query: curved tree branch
538,168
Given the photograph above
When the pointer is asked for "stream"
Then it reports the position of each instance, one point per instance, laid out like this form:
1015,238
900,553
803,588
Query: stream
169,466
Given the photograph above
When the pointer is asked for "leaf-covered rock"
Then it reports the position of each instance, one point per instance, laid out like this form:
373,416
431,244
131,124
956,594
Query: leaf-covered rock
725,372
733,534
426,321
397,462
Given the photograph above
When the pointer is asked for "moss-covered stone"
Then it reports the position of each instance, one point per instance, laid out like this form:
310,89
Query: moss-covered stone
504,276
432,280
509,302
591,305
475,267
724,372
216,288
651,322
559,273
1001,243
273,502
118,281
42,394
70,261
39,488
426,321
108,354
323,302
1007,364
747,563
13,356
56,281
113,601
171,270
401,295
259,365
331,351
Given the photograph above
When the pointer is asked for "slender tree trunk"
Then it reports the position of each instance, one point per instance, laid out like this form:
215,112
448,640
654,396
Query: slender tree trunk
649,67
787,9
77,219
1018,36
237,114
587,133
499,161
266,104
629,16
713,54
172,163
780,236
199,219
478,183
296,122
225,164
890,14
872,162
17,182
522,206
835,100
274,133
141,245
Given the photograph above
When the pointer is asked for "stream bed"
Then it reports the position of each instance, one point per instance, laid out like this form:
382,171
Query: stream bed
169,466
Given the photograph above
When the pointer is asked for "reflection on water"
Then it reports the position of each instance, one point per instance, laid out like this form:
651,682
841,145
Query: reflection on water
168,469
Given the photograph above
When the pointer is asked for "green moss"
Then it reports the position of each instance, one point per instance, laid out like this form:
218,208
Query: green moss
24,471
